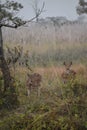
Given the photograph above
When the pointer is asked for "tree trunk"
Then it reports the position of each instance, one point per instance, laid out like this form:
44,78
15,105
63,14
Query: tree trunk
3,65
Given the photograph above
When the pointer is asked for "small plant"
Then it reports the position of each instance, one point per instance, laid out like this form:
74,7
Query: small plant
13,55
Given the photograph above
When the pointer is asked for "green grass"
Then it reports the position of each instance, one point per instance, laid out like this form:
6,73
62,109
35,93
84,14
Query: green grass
48,54
59,106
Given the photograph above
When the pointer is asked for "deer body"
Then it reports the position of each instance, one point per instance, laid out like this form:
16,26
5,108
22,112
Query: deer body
33,82
68,74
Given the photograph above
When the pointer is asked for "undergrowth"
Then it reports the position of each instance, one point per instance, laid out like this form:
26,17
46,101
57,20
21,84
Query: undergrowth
59,107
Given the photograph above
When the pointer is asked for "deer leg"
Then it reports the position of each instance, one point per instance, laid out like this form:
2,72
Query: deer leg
38,91
29,91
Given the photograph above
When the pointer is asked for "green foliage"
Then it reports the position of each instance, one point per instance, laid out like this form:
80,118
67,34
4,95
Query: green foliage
82,8
68,112
8,99
16,122
8,9
63,107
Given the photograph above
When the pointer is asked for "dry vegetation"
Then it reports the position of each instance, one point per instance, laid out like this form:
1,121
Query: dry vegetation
59,106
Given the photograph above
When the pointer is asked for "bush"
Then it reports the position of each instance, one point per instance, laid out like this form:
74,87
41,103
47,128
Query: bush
8,99
70,114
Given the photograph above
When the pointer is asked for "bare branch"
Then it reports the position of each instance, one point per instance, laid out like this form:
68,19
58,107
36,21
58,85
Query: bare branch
7,25
41,10
21,24
36,8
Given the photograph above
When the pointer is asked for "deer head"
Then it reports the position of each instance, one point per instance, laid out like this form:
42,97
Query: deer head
67,66
68,74
33,81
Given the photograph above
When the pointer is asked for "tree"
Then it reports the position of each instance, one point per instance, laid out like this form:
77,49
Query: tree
37,9
8,18
82,8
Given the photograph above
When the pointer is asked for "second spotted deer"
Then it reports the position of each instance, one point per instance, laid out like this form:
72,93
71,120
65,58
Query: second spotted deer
69,74
33,82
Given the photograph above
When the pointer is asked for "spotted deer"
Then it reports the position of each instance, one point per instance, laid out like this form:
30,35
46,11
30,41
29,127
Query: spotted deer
68,74
33,82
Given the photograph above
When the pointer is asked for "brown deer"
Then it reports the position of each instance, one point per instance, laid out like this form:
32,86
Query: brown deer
68,74
33,82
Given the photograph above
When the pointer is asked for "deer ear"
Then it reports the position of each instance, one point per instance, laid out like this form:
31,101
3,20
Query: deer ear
64,63
71,63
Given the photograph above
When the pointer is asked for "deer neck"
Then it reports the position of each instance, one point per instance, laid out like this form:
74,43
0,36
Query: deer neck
68,71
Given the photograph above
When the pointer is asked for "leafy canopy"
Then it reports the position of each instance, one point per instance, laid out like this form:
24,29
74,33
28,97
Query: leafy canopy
82,8
8,13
